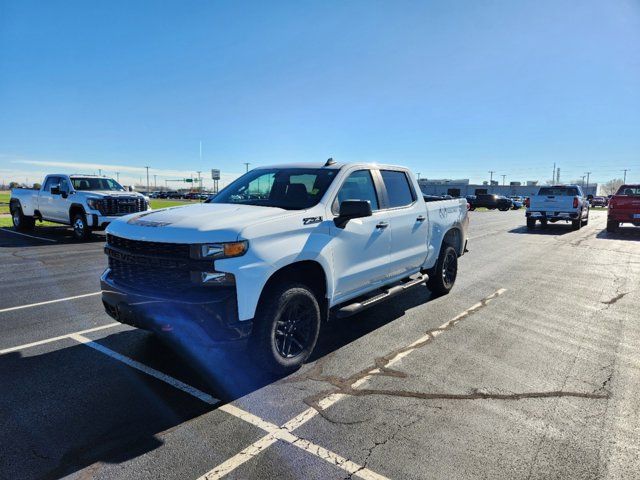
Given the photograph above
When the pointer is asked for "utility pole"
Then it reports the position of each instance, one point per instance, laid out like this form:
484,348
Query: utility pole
246,164
503,177
587,174
491,178
418,175
583,177
625,175
118,177
155,182
553,177
199,177
147,179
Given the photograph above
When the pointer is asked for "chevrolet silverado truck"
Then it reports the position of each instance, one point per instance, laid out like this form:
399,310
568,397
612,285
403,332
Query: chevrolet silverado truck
86,202
624,207
279,251
558,203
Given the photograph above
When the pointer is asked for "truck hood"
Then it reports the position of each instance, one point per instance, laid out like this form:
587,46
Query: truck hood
200,223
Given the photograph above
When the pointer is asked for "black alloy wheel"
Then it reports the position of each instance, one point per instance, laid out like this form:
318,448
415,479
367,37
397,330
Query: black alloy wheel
294,328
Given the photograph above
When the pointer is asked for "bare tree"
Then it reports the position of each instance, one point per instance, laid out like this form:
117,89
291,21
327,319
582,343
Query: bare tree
612,186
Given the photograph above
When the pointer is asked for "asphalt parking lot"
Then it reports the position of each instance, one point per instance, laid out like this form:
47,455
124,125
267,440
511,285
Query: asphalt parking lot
530,368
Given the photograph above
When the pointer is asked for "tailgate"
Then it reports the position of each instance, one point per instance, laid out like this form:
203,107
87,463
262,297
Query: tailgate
551,203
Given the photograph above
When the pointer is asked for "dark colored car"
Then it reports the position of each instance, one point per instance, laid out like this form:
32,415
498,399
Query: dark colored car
489,201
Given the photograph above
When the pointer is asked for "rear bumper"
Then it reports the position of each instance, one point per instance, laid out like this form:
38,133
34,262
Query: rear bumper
623,217
206,317
552,215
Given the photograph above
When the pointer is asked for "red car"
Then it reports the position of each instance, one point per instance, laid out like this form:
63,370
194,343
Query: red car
624,207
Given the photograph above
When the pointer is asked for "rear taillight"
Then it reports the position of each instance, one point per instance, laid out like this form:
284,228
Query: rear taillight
575,202
526,202
468,206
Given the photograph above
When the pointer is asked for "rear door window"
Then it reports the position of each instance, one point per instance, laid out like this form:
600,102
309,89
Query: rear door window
399,190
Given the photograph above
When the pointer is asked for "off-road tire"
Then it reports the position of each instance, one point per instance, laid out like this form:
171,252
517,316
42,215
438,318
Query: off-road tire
273,321
443,276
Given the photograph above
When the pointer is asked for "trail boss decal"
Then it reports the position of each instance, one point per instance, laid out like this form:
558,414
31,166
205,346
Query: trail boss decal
311,220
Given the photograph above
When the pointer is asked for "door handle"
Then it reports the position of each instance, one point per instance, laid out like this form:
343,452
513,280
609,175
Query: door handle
420,219
382,225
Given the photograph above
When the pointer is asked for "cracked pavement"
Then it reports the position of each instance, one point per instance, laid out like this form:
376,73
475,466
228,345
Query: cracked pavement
540,380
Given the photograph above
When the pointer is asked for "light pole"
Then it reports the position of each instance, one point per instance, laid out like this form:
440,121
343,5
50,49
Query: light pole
147,179
199,181
587,174
491,172
118,177
503,177
155,182
246,164
625,175
418,175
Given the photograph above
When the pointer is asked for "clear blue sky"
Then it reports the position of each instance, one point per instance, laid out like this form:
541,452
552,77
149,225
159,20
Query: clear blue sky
451,89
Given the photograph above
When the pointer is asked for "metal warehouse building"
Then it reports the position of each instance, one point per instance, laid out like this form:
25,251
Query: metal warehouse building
462,188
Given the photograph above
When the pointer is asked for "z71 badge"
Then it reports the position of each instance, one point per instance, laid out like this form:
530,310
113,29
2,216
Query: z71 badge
311,220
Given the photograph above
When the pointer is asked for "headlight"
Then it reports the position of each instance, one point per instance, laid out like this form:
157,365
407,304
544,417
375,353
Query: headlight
93,203
220,250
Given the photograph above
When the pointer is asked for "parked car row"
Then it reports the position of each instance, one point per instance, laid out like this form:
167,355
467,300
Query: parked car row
491,202
173,194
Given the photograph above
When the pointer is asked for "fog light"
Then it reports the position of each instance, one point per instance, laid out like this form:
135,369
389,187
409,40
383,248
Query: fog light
211,276
214,279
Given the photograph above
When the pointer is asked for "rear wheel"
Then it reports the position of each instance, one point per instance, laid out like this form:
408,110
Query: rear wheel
286,328
22,222
576,224
531,223
612,226
443,276
81,231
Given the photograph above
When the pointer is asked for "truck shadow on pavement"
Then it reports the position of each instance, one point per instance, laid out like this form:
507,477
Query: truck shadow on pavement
550,229
42,236
67,409
623,233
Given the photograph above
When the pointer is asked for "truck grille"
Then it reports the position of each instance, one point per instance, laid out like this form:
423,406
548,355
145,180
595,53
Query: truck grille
115,206
142,277
151,266
179,250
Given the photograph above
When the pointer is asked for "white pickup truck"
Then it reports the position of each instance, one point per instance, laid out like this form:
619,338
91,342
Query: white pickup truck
86,202
277,252
558,203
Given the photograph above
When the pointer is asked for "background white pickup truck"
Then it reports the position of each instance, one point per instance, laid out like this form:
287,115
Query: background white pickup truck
558,203
86,202
277,252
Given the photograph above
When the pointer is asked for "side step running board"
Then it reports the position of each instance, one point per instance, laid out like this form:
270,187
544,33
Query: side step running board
364,303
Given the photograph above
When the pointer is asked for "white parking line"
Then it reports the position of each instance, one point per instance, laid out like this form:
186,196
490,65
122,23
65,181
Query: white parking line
274,433
20,307
30,236
333,398
57,339
194,392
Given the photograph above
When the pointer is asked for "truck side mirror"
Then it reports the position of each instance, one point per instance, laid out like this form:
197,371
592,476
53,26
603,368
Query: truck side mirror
55,190
350,209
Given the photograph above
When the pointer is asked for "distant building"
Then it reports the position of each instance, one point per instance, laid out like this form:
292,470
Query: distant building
462,188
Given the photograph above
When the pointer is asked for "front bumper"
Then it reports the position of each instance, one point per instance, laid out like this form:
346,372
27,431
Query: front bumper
206,316
95,220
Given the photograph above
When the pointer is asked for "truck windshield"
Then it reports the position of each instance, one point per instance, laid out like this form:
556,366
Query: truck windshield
559,191
93,183
288,188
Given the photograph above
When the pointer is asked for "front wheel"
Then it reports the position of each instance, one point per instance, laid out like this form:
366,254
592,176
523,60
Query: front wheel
22,222
286,328
443,276
81,231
